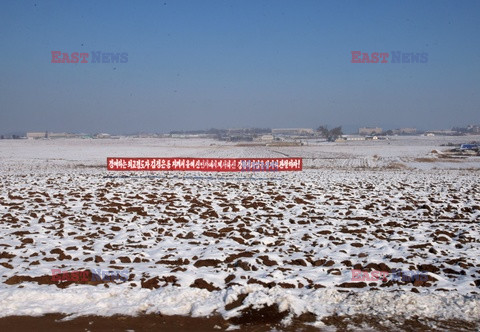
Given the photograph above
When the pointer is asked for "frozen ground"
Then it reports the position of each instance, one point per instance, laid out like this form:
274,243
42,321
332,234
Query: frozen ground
201,243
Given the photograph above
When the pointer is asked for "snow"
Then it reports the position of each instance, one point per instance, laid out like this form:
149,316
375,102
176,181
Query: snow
356,203
170,300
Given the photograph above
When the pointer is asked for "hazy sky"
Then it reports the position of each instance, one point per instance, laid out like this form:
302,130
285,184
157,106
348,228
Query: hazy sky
229,64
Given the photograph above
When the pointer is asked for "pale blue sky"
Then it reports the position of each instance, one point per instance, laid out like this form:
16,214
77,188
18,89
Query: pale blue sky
227,64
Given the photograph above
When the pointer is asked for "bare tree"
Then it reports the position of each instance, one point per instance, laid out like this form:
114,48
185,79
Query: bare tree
323,131
335,133
330,135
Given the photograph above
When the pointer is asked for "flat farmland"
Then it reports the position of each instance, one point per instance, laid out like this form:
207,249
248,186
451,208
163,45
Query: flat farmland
275,248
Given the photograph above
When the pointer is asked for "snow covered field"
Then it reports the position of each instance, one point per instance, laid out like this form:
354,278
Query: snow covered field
205,243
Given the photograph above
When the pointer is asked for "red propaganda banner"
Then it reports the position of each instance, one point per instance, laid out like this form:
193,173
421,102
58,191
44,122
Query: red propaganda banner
205,164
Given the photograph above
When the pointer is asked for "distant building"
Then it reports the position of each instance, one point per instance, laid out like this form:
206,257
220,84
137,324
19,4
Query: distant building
441,133
293,131
102,135
46,134
475,129
267,138
352,138
369,130
469,147
37,135
61,135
